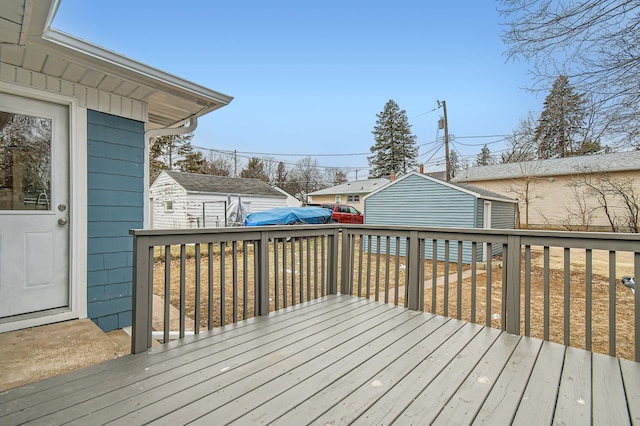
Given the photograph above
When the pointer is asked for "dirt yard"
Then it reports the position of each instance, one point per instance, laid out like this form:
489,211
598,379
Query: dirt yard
486,308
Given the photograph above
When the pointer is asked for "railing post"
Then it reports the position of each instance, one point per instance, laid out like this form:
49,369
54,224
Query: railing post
345,264
413,266
332,262
512,285
142,282
263,274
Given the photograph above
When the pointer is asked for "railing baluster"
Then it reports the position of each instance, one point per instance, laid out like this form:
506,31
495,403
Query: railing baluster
387,272
352,260
504,290
360,268
223,280
196,322
183,313
315,268
293,271
636,306
369,249
434,276
588,299
234,277
547,296
285,272
276,276
245,278
474,264
377,267
210,296
567,296
301,269
167,294
421,248
307,240
489,266
612,303
446,278
397,284
323,265
527,290
459,286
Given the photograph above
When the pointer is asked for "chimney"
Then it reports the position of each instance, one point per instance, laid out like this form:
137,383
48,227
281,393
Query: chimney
421,169
393,176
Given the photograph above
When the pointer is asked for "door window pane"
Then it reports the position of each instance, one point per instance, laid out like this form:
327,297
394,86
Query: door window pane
25,162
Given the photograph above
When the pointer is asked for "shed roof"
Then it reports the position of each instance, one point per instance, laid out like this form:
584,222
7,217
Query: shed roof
619,161
354,187
193,182
28,42
469,189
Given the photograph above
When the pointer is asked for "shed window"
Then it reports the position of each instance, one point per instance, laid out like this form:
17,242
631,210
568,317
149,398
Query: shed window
168,206
353,198
338,199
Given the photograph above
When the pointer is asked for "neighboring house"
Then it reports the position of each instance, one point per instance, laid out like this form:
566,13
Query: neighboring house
75,124
190,200
547,188
351,193
291,200
421,200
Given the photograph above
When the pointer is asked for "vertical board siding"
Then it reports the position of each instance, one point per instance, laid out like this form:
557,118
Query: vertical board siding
115,181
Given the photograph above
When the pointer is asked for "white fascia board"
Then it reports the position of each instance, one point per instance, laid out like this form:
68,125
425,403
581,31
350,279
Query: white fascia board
144,73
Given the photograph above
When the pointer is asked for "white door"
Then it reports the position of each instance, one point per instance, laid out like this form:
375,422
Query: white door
34,206
486,225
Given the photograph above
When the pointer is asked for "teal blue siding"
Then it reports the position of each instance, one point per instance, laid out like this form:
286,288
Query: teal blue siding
416,200
115,181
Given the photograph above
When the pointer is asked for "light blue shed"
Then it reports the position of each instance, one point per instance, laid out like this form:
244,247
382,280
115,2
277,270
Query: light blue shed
417,199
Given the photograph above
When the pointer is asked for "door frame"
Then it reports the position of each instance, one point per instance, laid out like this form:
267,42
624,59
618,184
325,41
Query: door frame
77,212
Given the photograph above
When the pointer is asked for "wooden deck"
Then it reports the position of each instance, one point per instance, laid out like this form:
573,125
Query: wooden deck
341,360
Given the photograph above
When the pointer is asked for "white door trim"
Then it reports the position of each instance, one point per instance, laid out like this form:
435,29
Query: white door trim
78,210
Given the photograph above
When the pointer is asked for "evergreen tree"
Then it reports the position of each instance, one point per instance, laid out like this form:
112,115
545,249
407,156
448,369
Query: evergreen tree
562,121
395,149
455,165
172,153
484,158
254,170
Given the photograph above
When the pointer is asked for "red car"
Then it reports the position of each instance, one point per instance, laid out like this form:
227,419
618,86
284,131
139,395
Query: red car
343,213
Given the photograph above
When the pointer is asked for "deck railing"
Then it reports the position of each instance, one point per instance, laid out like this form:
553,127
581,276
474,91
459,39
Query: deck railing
547,284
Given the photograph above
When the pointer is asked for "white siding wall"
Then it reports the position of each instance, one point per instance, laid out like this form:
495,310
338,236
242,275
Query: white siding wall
187,207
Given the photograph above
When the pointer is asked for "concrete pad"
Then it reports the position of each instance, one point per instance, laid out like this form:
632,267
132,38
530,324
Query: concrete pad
38,353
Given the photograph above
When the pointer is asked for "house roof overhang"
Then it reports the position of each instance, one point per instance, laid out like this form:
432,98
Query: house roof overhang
28,41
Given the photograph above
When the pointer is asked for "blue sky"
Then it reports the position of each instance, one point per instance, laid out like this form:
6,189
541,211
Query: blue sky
308,78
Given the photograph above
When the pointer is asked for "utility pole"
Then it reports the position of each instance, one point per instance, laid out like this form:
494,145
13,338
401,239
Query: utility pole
445,124
235,163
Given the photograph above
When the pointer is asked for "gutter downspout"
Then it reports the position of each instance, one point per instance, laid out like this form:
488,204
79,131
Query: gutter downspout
150,137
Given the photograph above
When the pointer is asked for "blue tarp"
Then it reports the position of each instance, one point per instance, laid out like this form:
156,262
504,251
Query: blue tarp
289,215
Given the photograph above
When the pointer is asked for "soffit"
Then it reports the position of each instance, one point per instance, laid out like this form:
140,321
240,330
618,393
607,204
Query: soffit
170,100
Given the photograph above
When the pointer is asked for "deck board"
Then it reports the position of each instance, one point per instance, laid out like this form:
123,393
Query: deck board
340,360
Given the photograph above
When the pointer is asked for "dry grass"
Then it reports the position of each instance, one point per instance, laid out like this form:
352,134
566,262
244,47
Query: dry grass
374,279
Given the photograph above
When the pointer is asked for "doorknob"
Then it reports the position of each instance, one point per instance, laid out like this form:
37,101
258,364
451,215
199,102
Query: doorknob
62,221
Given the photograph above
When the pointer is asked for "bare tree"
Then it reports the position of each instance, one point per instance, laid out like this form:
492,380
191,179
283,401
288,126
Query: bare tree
594,43
580,213
522,142
335,176
305,178
617,198
270,167
219,164
522,188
